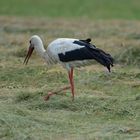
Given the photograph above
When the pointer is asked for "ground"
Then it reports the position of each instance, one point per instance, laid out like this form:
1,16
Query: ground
106,105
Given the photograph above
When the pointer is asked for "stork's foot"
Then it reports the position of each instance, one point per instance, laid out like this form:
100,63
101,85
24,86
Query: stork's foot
46,98
72,98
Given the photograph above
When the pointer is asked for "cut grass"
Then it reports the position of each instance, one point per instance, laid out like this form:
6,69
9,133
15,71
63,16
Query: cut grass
130,56
106,104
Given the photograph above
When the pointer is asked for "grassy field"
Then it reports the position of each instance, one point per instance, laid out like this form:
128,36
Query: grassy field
106,106
93,9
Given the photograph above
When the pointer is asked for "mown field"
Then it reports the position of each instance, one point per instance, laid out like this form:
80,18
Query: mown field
106,106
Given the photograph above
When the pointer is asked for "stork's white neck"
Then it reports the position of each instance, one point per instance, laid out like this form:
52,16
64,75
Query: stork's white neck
39,48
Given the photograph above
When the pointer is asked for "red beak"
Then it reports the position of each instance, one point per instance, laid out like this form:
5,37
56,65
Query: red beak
28,54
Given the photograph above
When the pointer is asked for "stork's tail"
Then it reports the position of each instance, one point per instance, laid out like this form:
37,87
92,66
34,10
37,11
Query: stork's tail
103,58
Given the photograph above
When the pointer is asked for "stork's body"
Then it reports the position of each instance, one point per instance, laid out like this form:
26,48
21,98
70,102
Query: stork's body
69,53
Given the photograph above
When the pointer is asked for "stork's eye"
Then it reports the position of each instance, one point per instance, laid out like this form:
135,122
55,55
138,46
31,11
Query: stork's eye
30,41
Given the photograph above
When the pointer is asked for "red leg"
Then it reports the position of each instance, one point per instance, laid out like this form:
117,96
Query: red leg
70,73
71,82
55,92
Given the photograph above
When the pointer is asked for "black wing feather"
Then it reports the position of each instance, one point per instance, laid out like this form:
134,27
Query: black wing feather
88,40
87,53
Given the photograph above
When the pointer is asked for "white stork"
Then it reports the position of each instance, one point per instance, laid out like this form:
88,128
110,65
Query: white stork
69,53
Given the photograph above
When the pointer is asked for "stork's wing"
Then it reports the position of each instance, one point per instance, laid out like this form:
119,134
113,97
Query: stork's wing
87,52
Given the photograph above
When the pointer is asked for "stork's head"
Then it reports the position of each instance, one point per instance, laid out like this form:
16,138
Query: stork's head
35,43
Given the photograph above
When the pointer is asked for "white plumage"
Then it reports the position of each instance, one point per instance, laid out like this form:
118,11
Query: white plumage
69,53
62,45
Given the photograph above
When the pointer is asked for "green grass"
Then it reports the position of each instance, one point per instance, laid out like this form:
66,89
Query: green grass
93,9
106,106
